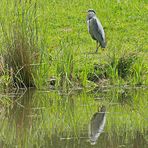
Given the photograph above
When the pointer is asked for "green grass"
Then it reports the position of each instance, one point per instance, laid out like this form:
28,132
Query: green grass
40,40
54,36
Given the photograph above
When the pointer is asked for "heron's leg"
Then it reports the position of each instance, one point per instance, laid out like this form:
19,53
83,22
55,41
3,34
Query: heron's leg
97,46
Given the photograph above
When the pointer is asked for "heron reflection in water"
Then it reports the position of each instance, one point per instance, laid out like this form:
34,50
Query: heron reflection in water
97,124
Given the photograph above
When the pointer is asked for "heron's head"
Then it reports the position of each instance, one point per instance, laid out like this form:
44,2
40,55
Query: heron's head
90,13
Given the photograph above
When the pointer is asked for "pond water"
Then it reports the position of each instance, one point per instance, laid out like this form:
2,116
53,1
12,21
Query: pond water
102,118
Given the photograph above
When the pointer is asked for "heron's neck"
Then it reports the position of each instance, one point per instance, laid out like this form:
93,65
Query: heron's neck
89,17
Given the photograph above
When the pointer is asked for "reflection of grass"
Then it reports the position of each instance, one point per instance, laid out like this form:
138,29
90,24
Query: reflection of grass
50,115
63,36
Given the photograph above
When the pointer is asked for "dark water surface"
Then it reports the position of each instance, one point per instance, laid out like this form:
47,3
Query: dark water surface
108,118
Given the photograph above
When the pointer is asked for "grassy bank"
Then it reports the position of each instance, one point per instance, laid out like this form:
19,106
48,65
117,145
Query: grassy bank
45,39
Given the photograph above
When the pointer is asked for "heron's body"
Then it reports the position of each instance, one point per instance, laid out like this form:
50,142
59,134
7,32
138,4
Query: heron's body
95,29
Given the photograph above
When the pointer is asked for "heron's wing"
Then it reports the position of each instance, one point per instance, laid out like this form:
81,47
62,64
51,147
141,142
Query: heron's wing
98,31
99,27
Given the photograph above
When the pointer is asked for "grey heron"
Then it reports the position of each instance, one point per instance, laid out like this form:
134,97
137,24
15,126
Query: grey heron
95,29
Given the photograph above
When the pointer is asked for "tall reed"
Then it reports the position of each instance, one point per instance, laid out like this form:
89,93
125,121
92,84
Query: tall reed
21,41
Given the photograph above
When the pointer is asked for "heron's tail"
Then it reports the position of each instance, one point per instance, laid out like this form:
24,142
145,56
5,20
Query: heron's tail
103,44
